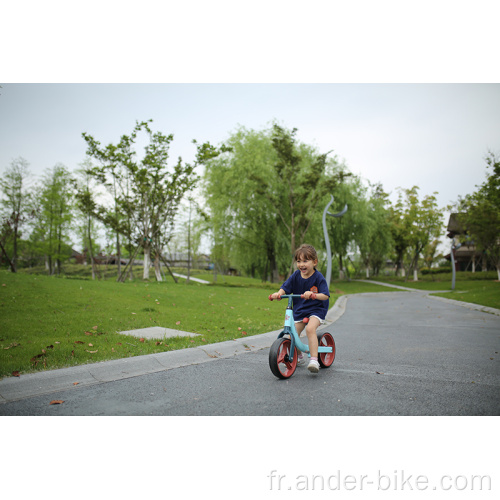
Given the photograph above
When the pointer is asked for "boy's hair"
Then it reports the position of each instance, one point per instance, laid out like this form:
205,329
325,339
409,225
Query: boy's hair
307,252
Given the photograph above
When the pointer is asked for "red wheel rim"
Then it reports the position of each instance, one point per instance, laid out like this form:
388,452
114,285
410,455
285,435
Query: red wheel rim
327,358
286,367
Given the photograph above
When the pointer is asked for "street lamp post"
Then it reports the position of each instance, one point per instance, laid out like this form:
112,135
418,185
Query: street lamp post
453,270
327,241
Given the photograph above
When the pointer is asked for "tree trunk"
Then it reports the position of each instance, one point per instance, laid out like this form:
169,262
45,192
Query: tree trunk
91,252
292,242
273,266
147,261
118,255
13,263
12,267
157,268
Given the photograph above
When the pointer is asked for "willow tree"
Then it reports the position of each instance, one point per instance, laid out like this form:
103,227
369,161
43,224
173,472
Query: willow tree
302,182
265,196
351,231
242,218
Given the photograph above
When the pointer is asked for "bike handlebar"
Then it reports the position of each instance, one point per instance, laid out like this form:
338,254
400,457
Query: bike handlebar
312,297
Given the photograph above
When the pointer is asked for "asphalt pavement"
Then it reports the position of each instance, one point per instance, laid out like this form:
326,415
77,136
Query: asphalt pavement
398,353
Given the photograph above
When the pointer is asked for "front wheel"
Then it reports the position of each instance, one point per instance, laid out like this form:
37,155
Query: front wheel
279,358
326,358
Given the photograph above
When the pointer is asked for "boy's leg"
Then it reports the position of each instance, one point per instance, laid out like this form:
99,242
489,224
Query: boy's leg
299,326
312,339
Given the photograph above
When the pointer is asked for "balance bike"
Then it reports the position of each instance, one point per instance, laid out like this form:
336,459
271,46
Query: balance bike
283,355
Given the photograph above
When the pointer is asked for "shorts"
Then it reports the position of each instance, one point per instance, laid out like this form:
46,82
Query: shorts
321,321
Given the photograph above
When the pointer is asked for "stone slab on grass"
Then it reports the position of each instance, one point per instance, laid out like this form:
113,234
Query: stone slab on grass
158,332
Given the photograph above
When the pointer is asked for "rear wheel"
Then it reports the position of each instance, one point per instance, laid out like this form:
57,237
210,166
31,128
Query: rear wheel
326,358
279,358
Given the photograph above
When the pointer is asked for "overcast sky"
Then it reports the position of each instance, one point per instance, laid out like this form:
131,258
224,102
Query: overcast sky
434,136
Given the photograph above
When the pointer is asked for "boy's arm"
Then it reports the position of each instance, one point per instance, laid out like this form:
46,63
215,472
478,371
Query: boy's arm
317,296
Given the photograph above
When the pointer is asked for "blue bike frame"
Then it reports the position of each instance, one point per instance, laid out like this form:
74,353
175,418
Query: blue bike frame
289,329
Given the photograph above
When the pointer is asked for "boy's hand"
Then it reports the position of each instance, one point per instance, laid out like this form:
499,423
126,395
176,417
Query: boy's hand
275,296
309,295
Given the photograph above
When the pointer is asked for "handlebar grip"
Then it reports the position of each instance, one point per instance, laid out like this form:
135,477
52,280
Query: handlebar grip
312,297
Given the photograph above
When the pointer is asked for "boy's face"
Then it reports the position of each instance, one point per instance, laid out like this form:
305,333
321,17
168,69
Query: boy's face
306,266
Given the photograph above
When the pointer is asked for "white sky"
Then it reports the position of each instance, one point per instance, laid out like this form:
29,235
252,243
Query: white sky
434,136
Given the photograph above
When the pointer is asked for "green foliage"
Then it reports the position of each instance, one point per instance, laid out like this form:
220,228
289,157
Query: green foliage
352,230
244,224
146,192
13,208
55,216
435,270
480,214
416,224
265,199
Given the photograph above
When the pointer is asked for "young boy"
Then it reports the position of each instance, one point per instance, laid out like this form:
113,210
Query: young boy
312,284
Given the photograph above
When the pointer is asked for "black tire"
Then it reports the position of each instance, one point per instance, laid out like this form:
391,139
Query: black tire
279,358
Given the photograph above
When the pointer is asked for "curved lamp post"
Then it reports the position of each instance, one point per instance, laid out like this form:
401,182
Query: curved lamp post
327,241
453,270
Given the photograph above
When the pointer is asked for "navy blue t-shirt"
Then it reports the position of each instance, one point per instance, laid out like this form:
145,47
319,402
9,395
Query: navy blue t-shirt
302,308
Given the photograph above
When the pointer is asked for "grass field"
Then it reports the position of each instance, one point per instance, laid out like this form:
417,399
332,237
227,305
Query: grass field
54,322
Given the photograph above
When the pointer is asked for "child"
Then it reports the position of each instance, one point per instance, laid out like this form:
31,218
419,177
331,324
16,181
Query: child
312,284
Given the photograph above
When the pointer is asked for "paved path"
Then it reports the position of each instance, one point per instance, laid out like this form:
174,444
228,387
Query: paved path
398,353
198,280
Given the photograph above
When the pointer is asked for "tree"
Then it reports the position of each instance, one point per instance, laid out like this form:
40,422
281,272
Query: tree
430,253
110,173
301,183
13,188
416,223
265,198
400,234
56,211
480,213
377,244
148,191
86,206
243,219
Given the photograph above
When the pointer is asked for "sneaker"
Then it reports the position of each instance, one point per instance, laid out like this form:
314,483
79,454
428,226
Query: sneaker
300,359
313,366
